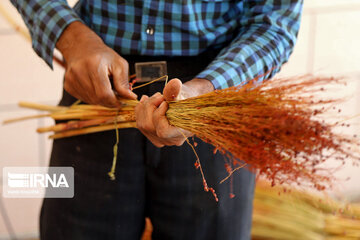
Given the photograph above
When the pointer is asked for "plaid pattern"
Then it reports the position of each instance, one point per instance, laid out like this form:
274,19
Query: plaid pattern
257,36
45,20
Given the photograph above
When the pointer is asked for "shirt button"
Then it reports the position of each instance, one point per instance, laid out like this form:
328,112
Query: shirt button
150,31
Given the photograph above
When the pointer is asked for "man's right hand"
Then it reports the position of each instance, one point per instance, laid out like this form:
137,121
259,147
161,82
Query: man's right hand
89,66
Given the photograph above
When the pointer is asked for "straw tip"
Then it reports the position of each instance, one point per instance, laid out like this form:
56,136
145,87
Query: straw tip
111,175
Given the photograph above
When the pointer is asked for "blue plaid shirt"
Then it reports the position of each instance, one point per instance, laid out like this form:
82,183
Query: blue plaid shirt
256,36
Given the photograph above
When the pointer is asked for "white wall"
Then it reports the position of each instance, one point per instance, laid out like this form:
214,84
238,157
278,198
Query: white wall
23,76
329,43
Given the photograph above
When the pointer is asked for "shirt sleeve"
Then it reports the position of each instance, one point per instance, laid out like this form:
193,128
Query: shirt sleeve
265,41
46,20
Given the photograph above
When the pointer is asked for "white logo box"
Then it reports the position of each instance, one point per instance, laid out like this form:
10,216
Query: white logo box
38,182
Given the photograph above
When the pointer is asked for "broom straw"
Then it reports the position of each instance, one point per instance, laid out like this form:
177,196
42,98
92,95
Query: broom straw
85,123
77,132
275,127
301,215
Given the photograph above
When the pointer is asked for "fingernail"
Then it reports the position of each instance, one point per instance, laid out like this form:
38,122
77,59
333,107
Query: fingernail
132,94
142,98
162,104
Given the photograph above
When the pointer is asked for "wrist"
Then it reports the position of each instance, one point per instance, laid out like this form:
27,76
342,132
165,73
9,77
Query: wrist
75,35
199,86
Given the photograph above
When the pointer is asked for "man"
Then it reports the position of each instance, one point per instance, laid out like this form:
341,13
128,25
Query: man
208,44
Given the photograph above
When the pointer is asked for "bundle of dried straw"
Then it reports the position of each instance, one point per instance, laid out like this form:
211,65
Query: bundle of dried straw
301,215
297,215
274,127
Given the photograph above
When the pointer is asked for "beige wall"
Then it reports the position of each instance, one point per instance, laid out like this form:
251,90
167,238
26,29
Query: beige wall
329,43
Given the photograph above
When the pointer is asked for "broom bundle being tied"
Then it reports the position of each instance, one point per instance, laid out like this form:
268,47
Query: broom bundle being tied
274,127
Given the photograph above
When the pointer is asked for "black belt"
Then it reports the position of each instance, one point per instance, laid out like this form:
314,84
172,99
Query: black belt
182,67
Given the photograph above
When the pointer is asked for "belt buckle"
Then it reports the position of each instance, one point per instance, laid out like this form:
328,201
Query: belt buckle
147,71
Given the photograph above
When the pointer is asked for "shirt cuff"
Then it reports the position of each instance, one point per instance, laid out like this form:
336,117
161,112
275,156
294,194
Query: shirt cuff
221,74
50,22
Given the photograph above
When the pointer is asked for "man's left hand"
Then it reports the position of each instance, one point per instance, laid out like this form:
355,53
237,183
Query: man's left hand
150,112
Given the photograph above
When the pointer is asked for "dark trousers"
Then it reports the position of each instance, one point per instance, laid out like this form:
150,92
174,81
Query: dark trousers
161,183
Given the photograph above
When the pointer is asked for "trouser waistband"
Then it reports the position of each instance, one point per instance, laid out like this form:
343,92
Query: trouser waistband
182,67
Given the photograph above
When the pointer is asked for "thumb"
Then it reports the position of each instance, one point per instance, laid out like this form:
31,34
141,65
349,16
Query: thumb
172,89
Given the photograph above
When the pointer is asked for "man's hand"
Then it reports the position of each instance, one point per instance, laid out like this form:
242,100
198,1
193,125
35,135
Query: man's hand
150,112
89,66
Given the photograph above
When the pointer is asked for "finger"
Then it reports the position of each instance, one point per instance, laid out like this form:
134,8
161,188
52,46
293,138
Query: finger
172,89
87,90
104,94
139,108
77,81
75,94
164,128
121,81
161,123
143,114
186,132
143,98
148,107
154,140
154,101
161,110
74,89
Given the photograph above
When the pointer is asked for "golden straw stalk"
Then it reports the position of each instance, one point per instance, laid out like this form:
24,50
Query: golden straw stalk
297,215
301,215
277,128
82,131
